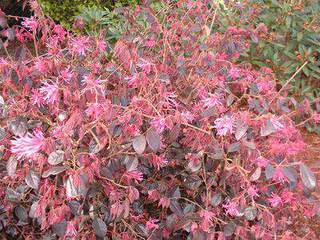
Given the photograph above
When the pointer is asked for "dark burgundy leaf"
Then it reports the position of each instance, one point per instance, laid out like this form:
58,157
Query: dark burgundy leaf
1,101
12,165
241,130
74,207
54,171
3,21
269,171
307,176
290,173
174,133
33,209
194,166
250,213
21,213
14,77
229,229
32,180
18,126
176,208
139,144
73,190
131,163
13,195
234,147
99,227
216,199
256,174
21,54
153,139
60,228
56,157
267,129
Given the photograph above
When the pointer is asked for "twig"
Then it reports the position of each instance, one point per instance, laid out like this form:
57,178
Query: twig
113,182
288,81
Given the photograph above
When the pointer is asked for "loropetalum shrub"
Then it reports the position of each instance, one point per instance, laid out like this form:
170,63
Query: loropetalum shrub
170,139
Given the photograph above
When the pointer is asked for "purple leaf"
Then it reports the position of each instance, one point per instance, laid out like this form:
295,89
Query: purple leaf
153,140
229,229
32,180
290,173
267,129
56,157
256,175
139,144
54,171
241,130
99,227
12,165
73,190
269,172
216,199
308,178
250,213
18,126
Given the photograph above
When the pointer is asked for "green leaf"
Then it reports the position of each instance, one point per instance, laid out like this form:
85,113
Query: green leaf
299,36
306,71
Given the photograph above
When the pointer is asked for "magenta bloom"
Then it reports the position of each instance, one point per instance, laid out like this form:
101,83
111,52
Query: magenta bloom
50,92
79,45
275,200
231,208
224,125
30,23
27,145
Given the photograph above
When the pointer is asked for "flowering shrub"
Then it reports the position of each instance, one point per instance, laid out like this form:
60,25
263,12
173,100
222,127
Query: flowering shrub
170,138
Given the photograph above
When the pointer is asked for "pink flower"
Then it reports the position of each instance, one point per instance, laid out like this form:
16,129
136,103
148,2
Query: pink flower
95,110
211,101
91,83
101,45
164,202
40,65
159,124
66,74
71,230
287,196
150,42
36,98
207,219
151,224
187,116
30,23
253,191
275,200
136,175
59,30
50,92
262,162
27,145
144,65
79,45
279,176
158,161
224,125
234,73
231,208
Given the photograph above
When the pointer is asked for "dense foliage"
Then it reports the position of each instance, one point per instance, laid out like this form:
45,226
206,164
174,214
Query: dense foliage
170,138
65,11
293,38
